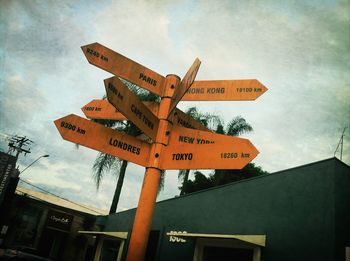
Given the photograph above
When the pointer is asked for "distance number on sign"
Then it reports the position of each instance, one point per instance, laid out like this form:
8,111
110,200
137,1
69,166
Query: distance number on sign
72,127
249,89
234,155
96,54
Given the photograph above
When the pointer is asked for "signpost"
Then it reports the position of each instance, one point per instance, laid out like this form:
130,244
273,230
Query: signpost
179,141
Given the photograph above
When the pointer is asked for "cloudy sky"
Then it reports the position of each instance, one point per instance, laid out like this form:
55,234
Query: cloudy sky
300,51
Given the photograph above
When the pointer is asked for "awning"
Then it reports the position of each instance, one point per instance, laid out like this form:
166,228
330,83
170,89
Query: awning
120,235
259,240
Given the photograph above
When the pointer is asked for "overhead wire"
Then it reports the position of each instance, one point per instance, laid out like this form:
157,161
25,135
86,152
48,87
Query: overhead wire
48,192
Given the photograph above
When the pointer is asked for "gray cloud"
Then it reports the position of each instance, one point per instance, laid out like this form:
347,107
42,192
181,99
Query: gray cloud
300,51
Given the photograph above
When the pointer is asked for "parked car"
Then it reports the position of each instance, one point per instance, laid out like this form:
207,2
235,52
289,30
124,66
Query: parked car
21,253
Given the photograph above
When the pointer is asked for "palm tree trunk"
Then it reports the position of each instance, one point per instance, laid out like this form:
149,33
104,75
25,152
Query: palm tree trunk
118,188
184,183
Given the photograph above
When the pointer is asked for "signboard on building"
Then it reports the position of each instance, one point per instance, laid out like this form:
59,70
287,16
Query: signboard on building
59,220
7,165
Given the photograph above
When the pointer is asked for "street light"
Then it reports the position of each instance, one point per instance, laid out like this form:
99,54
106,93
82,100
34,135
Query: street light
42,156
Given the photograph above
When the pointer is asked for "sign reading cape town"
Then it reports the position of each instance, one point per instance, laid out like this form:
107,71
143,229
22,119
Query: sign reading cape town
170,140
102,109
129,104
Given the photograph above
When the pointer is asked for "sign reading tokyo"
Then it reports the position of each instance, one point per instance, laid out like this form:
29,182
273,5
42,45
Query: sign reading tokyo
195,149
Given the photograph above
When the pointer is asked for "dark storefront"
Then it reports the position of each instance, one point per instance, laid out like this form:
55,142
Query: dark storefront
48,230
298,214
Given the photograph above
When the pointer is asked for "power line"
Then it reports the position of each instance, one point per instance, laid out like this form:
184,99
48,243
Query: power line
18,143
48,192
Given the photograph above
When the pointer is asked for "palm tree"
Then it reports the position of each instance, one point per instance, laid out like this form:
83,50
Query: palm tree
235,127
210,121
105,162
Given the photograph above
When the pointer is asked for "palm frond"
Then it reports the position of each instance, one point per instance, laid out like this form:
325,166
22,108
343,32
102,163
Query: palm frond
102,164
238,126
114,124
143,94
220,129
211,121
193,112
181,175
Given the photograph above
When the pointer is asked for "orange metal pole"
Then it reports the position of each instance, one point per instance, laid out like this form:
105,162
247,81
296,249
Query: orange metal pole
144,213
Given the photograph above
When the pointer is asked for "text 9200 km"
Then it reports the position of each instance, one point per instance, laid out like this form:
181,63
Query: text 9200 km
72,127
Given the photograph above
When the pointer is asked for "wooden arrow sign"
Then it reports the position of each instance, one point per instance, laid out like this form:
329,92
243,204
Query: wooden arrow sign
95,136
185,83
123,67
102,109
195,149
225,90
182,119
129,104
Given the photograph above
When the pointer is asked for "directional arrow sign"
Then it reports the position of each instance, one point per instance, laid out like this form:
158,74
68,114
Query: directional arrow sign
184,84
130,105
195,149
123,67
184,120
95,136
225,90
102,109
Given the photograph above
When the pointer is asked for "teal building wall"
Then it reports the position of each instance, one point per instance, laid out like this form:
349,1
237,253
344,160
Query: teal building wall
304,213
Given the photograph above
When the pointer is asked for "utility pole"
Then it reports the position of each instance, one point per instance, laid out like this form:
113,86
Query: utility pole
341,143
17,144
9,179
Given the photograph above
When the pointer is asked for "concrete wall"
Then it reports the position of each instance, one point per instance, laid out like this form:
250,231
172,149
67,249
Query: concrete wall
295,208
